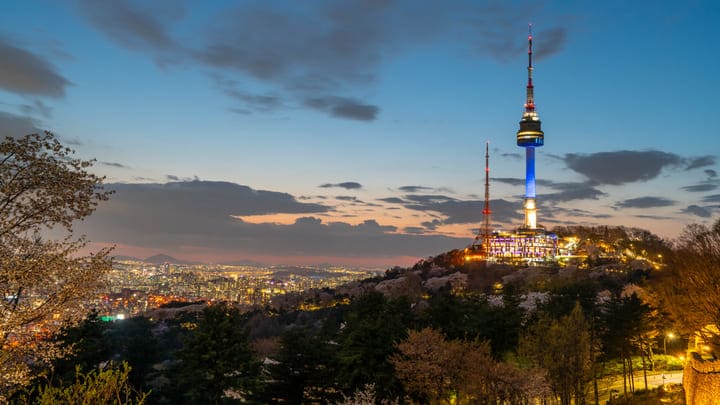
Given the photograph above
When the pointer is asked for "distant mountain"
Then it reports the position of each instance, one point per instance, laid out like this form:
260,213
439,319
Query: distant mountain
127,258
162,258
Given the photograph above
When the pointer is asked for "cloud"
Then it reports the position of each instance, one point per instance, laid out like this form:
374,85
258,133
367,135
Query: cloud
655,217
432,225
414,189
23,72
348,185
549,42
349,198
572,191
115,164
512,155
314,55
644,202
392,200
208,215
458,211
702,161
553,210
712,198
416,230
513,181
250,101
15,125
568,191
343,107
701,187
143,179
135,27
494,39
711,173
702,212
621,167
182,198
37,108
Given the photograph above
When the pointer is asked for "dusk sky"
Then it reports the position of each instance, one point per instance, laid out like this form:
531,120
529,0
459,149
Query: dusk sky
353,132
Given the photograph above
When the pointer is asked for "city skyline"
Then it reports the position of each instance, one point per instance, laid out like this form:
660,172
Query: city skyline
353,132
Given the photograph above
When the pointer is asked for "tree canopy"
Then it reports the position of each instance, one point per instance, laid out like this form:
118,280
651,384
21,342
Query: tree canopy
43,280
690,283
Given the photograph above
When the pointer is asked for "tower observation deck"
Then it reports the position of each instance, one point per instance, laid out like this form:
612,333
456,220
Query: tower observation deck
530,136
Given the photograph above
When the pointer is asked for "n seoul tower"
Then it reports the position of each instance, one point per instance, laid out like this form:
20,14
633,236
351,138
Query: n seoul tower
530,136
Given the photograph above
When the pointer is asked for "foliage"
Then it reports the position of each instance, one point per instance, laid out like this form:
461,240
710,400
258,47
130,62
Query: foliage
365,396
563,348
216,363
373,326
42,188
85,345
94,387
434,370
132,341
629,326
689,286
471,316
303,369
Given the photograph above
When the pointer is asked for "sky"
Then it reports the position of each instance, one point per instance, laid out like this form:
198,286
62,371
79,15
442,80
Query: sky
353,132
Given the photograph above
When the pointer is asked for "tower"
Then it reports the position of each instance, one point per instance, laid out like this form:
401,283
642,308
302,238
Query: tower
486,209
530,136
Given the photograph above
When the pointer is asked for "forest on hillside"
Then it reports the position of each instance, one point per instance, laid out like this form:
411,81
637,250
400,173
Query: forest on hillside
443,330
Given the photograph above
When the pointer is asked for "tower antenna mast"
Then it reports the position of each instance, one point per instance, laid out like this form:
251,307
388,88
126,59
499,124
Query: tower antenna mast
530,96
486,209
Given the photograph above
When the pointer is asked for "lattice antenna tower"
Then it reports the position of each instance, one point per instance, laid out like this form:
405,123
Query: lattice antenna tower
486,208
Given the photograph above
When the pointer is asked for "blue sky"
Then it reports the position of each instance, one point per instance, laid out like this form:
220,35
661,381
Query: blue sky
387,104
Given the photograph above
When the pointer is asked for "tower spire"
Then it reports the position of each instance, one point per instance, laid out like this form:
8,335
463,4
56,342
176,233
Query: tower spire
530,97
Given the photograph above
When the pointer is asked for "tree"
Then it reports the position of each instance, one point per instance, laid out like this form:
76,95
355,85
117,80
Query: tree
689,285
94,387
132,341
471,316
434,370
563,348
86,347
373,326
43,282
216,363
422,365
303,369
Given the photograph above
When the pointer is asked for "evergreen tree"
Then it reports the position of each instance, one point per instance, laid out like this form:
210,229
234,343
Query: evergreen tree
373,326
303,369
216,364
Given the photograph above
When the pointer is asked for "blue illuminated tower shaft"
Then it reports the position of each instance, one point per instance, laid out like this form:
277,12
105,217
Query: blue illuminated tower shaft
530,136
529,172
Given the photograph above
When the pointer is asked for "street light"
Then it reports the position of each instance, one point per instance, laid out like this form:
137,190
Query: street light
670,336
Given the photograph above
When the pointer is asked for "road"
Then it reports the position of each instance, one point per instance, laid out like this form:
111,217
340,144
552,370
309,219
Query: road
655,379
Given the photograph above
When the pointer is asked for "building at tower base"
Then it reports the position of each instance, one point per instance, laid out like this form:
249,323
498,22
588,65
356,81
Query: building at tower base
522,246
